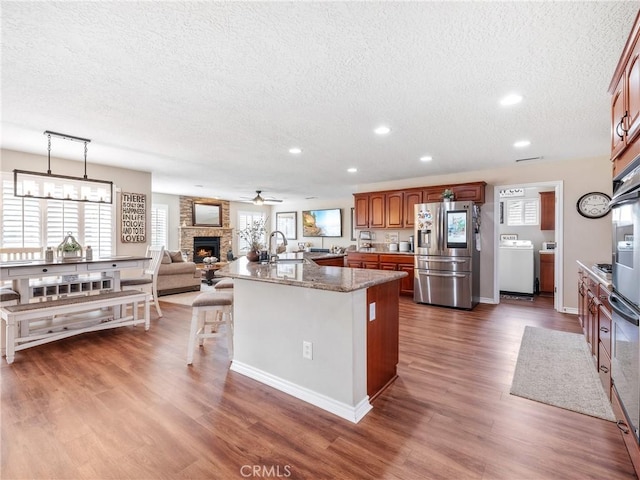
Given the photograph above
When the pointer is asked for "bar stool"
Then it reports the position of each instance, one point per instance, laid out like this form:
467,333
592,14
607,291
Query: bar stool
224,284
221,304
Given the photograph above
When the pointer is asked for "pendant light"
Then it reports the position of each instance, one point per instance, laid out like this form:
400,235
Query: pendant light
62,187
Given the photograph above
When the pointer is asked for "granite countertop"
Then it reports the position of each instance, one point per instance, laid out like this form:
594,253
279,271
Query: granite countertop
308,274
589,267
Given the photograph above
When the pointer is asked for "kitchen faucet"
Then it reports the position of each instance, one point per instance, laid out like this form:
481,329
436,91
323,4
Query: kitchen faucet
273,245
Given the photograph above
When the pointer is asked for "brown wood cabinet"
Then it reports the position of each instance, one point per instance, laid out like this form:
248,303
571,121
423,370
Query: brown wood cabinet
361,214
382,337
363,260
411,199
625,103
395,208
370,210
547,210
547,272
390,261
403,263
604,335
594,313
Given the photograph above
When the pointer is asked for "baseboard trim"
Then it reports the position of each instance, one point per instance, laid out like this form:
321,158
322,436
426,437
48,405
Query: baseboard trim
352,413
487,300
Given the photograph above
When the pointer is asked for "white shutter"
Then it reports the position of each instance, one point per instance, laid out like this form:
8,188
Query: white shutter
32,222
246,219
523,212
21,219
159,225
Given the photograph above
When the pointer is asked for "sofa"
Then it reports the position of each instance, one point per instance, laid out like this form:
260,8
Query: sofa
176,275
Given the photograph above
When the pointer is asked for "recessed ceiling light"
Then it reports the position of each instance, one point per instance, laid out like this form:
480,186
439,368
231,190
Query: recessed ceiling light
295,150
352,170
522,143
511,99
382,130
426,158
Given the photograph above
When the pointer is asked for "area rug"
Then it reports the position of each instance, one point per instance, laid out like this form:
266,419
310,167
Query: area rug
556,368
185,298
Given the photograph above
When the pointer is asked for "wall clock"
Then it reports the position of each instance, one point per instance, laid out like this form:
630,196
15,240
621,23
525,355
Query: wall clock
593,205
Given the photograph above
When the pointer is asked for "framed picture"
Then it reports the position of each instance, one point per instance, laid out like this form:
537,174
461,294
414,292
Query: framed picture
628,237
353,224
287,223
207,214
508,236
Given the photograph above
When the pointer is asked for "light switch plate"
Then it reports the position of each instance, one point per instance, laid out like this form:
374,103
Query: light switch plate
372,311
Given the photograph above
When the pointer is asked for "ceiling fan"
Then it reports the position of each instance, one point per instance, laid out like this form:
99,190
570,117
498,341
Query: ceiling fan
260,200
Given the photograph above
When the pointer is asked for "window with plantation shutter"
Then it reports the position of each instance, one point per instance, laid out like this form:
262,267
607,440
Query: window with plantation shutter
33,222
246,219
159,225
523,212
21,219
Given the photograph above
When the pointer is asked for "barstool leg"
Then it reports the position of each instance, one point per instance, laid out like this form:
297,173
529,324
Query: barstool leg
229,324
193,331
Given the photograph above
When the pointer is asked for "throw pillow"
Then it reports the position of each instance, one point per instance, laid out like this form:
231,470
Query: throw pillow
176,256
166,258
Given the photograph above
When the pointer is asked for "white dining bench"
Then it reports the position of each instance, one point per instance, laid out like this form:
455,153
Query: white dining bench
57,319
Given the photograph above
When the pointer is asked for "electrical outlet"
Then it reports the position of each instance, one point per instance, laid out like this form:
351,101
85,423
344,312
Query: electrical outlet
307,350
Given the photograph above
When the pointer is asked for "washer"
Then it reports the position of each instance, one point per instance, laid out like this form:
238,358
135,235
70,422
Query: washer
516,267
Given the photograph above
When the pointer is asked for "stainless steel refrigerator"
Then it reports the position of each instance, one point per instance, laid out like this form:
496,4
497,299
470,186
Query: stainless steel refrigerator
447,255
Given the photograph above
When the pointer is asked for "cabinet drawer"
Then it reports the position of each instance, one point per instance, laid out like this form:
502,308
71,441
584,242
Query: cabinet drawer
399,259
115,265
43,270
362,257
604,370
604,328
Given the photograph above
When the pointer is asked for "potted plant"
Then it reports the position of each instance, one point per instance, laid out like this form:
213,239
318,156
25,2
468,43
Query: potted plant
69,248
447,195
254,234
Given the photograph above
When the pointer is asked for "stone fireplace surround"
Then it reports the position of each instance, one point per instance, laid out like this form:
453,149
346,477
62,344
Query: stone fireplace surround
188,230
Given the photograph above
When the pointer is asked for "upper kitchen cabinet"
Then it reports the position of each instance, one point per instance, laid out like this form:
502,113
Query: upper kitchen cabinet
548,210
473,192
370,210
361,214
377,210
411,199
395,209
625,103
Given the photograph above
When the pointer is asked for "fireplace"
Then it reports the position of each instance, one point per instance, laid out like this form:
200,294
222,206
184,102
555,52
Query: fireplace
205,247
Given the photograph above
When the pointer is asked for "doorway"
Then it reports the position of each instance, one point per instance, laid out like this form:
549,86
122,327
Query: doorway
505,227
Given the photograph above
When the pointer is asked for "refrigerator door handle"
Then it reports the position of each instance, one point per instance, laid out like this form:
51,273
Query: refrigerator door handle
440,229
434,274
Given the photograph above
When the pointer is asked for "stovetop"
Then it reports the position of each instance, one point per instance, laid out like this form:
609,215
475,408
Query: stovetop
603,269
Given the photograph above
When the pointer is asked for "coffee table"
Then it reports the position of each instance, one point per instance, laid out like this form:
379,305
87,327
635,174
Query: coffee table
209,269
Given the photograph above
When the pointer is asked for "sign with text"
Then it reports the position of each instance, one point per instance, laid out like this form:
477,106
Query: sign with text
134,217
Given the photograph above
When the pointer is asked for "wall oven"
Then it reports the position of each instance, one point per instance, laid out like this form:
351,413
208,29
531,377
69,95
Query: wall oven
625,299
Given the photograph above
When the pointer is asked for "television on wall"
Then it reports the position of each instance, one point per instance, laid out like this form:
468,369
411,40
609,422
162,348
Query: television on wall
322,223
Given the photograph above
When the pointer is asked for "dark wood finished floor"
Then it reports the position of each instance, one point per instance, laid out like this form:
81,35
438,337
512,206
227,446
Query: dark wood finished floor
123,404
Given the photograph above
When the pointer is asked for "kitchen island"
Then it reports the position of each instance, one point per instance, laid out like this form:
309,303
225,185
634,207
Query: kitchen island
326,335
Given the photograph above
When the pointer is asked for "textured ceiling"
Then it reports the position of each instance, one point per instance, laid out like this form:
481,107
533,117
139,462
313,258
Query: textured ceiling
226,88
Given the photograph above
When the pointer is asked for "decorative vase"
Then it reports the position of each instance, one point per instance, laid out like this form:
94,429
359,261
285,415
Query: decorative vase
253,256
